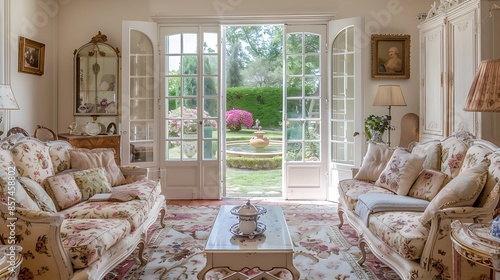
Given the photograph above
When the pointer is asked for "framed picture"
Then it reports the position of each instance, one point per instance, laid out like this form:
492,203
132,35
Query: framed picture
31,56
390,56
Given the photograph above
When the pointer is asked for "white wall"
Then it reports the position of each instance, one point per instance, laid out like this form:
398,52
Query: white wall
36,95
80,20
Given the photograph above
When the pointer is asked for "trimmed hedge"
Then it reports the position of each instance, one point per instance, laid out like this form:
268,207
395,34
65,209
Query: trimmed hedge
254,163
265,104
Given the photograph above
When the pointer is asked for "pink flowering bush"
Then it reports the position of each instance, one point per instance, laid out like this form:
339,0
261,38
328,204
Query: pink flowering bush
236,118
190,126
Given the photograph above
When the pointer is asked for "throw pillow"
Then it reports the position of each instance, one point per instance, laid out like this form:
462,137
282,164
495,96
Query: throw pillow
11,191
432,150
100,157
428,184
463,190
375,160
401,171
63,190
38,194
59,154
91,182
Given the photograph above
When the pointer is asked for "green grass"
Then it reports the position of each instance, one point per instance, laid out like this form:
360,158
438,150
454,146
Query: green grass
242,177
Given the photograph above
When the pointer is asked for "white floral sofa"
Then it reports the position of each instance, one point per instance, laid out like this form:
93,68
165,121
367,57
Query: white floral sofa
62,233
401,203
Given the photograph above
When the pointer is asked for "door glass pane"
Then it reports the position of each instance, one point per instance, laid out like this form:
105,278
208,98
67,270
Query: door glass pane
210,63
141,102
342,96
210,42
210,86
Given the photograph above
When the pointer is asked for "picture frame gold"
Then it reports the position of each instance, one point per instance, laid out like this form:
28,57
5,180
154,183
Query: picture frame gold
31,56
390,56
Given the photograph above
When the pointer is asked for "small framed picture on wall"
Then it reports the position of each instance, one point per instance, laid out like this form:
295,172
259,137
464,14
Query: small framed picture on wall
390,56
31,56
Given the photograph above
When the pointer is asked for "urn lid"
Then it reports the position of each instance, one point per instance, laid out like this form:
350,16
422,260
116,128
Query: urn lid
248,209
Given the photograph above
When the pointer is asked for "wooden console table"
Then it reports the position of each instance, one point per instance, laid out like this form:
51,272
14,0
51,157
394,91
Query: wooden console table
91,142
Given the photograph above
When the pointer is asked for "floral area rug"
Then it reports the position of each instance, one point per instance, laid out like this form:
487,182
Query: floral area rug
322,251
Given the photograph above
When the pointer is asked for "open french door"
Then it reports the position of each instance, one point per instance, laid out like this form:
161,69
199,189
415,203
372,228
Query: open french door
305,91
346,116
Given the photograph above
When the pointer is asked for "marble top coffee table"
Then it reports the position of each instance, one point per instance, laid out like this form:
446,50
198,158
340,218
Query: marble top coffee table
270,250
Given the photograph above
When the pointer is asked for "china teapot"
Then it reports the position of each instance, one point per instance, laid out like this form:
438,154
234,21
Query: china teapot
248,218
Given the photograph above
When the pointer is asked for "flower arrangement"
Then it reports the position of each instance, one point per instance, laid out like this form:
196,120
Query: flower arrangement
190,121
236,118
375,123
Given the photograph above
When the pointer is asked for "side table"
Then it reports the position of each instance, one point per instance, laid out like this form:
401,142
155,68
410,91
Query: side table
472,242
10,261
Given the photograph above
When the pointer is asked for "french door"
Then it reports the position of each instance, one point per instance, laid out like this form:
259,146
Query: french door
305,89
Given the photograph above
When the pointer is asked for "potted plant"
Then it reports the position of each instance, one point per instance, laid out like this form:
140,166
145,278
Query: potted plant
375,126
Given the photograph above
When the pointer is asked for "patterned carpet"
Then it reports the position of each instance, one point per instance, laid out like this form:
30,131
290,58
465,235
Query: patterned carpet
322,251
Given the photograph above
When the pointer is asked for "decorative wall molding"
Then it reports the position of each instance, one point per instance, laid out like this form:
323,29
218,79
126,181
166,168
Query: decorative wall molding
444,6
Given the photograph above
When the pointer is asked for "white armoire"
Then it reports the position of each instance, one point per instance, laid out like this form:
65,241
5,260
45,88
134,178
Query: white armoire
454,38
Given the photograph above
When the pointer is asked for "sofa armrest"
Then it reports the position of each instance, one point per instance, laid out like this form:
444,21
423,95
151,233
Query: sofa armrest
134,173
39,235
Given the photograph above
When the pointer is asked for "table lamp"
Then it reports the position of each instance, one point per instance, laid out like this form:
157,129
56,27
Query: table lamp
484,93
389,95
7,100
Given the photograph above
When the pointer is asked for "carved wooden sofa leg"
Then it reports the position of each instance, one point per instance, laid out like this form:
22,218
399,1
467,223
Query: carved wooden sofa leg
362,245
340,213
163,212
142,246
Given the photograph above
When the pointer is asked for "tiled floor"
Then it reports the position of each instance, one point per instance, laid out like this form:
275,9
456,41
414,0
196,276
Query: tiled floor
256,201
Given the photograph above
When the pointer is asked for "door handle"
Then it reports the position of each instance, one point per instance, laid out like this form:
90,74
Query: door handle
355,134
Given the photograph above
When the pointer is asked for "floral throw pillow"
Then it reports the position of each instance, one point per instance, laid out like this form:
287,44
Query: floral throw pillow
100,157
63,190
428,184
401,171
33,161
374,162
38,194
463,190
91,182
9,182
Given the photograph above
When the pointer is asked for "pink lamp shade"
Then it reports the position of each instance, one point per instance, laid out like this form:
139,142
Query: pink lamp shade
484,94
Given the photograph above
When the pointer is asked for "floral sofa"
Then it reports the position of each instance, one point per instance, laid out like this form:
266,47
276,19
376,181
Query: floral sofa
52,213
402,202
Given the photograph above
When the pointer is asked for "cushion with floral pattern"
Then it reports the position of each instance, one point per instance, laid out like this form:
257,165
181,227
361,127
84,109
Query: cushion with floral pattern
11,191
463,190
33,160
428,184
432,150
38,194
374,162
63,190
91,182
59,154
100,157
401,171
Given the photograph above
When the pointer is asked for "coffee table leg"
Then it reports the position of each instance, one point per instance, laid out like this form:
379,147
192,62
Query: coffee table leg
291,267
208,266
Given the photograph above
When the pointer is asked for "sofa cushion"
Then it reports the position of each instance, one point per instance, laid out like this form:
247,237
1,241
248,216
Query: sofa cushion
488,195
85,240
351,189
91,182
19,197
381,202
428,184
100,157
401,171
38,194
453,155
134,211
33,160
374,162
147,190
401,231
59,154
463,190
432,152
63,190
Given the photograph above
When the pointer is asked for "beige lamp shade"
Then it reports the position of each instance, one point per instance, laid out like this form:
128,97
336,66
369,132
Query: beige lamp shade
389,95
484,93
7,98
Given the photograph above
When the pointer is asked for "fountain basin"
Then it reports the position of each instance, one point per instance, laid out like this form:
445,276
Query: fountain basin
244,149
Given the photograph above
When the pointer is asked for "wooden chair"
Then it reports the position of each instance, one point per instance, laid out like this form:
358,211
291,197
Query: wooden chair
409,129
43,133
17,129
